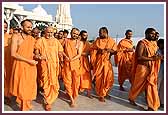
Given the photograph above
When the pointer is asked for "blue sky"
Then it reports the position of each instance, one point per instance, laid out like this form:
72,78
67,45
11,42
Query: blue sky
116,17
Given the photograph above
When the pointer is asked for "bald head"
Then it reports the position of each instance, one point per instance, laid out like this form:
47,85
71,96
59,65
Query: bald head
27,27
49,32
35,32
49,28
35,29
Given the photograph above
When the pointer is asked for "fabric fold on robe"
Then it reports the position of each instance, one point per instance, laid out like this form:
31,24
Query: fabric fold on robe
103,67
71,70
124,60
49,48
146,78
23,79
85,78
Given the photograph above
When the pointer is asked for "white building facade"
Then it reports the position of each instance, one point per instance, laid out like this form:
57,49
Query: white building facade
15,13
63,18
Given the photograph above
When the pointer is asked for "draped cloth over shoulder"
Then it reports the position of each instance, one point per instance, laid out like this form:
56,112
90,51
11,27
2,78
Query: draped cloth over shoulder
103,67
23,79
146,77
124,60
85,78
49,48
72,72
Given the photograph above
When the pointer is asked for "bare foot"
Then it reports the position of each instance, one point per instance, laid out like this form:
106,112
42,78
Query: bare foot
89,95
48,107
132,102
101,99
150,109
81,90
72,104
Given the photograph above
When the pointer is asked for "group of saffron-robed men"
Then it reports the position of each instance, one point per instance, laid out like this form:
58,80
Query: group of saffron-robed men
31,61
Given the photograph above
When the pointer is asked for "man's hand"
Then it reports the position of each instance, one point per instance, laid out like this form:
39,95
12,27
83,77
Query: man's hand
156,57
32,62
42,57
67,59
129,50
111,51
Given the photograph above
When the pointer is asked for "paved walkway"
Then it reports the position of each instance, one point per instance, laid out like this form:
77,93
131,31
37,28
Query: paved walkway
116,102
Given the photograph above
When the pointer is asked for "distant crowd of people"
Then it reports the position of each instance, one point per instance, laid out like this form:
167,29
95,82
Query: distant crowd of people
38,61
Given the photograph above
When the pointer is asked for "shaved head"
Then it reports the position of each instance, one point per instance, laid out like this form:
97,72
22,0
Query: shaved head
49,32
35,32
49,28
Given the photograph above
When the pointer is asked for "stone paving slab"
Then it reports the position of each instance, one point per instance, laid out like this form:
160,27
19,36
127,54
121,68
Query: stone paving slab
83,104
116,102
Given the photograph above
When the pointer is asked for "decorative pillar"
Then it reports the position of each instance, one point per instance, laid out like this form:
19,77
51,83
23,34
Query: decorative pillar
63,18
8,17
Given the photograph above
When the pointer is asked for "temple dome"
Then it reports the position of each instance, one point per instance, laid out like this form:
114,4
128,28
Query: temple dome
39,11
40,14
